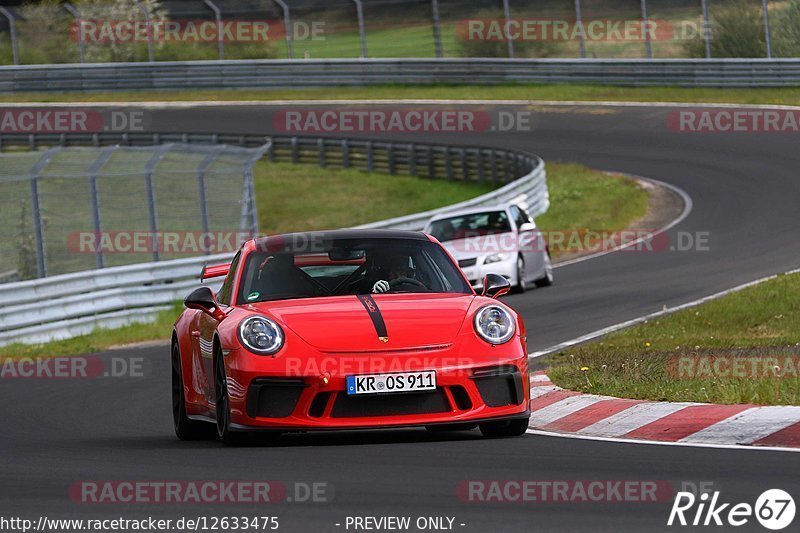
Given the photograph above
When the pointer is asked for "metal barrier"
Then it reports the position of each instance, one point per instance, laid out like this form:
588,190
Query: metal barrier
358,72
85,196
65,306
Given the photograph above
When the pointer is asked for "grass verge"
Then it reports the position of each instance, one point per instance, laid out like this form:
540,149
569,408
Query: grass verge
100,339
786,96
312,198
580,197
724,351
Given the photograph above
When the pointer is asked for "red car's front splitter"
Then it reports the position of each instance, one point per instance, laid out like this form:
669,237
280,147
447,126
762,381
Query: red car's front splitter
463,395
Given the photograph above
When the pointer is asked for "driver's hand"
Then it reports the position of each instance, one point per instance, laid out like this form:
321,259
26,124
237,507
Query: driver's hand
380,286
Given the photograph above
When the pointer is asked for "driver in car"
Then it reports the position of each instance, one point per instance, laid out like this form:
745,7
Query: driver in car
395,268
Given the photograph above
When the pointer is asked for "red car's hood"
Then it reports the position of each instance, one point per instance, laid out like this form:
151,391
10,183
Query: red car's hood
342,323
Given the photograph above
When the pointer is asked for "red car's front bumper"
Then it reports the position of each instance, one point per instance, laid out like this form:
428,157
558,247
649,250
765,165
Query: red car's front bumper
309,393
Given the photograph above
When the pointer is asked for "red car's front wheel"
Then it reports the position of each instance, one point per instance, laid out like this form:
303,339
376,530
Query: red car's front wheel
185,429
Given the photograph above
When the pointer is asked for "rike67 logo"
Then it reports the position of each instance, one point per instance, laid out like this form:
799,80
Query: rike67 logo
774,509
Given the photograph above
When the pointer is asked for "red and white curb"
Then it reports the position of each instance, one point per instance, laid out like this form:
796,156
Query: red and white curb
556,410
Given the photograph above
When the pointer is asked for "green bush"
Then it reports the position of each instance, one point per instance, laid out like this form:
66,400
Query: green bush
737,30
786,30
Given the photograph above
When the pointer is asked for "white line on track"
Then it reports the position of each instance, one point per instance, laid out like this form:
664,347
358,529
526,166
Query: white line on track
392,101
660,443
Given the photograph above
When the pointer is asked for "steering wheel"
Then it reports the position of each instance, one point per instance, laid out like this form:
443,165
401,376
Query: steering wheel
406,281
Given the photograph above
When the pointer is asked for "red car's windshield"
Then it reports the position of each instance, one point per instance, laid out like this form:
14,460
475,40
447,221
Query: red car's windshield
340,267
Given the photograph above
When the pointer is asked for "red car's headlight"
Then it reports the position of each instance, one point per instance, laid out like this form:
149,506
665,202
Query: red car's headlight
261,335
494,324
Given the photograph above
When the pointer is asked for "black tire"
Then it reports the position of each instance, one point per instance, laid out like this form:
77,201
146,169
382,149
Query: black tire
185,429
521,285
547,279
222,404
505,428
443,428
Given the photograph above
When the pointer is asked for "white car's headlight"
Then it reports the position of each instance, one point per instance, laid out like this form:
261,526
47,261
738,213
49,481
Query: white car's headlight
261,335
494,258
494,324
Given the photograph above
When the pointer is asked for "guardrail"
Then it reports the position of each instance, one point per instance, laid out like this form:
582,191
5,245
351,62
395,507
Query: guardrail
65,306
273,73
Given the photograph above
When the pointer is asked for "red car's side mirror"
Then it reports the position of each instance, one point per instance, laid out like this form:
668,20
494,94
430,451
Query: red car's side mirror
203,299
495,285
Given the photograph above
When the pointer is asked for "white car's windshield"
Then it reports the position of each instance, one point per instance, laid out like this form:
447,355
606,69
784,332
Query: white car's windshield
472,225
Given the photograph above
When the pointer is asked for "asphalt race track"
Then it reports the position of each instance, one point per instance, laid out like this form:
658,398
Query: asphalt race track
746,195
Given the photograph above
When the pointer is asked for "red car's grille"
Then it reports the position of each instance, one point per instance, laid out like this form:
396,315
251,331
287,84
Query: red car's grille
390,404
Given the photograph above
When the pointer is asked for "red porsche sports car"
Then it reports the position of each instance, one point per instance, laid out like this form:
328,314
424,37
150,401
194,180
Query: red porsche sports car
347,329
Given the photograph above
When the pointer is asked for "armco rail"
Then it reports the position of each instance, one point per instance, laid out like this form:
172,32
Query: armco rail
331,72
65,306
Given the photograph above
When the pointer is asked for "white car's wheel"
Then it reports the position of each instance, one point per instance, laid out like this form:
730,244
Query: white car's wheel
521,286
547,279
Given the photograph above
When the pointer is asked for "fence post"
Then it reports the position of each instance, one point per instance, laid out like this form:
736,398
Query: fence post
295,156
201,187
767,32
41,262
345,154
462,154
648,47
79,22
448,163
287,24
479,164
218,17
390,158
706,28
370,157
151,195
146,14
12,30
94,169
321,151
412,159
581,31
437,28
506,28
493,162
361,31
250,192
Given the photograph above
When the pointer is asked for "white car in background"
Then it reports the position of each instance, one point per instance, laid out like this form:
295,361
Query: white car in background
501,239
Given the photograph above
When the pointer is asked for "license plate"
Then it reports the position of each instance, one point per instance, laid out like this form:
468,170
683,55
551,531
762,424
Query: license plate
399,382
